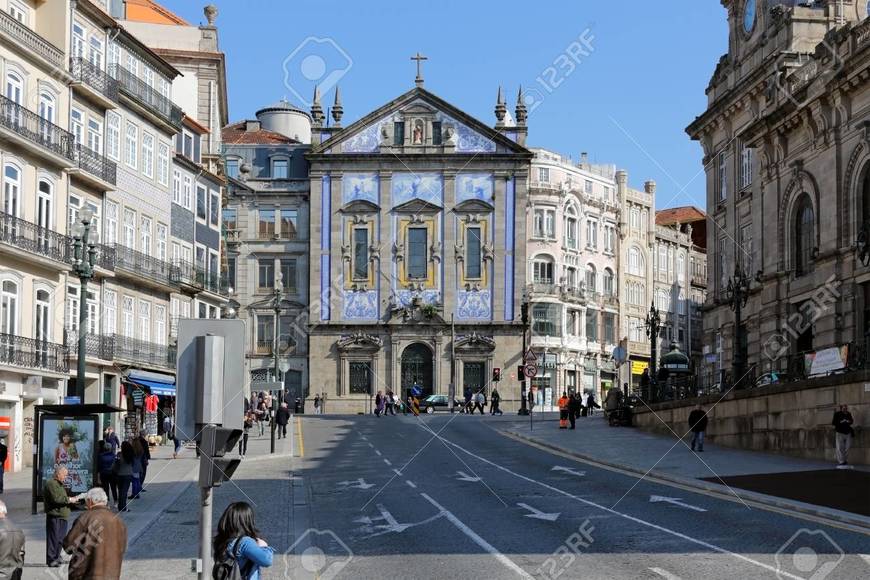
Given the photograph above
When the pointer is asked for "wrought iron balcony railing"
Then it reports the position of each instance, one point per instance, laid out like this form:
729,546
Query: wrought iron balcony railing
31,353
34,128
96,164
142,352
86,72
146,95
99,346
29,39
34,239
144,265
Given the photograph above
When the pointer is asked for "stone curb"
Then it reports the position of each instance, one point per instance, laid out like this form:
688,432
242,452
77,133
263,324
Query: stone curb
861,523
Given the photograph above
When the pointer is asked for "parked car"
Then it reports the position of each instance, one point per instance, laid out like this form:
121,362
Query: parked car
434,403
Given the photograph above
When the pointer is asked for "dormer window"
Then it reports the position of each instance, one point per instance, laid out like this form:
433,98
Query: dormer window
280,169
436,132
399,133
232,166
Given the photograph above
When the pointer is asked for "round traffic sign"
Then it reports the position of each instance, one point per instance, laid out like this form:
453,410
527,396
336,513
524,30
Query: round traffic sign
530,371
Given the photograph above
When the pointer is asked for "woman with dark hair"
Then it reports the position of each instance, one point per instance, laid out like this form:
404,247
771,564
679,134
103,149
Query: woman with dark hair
138,461
238,539
123,472
105,464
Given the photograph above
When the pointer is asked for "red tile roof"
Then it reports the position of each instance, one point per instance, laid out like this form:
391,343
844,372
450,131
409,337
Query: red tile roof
236,134
684,215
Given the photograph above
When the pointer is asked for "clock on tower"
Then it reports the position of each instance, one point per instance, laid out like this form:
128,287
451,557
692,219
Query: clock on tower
749,8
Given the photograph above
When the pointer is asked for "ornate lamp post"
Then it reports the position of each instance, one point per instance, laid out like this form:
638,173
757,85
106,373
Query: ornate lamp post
277,298
84,254
738,294
653,323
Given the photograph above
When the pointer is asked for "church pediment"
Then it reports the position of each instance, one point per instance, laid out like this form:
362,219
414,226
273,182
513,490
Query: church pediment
475,342
358,341
417,206
474,206
361,207
377,132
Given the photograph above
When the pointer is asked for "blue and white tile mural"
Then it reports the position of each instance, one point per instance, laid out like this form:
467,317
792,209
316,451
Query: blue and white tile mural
467,139
405,297
474,186
359,187
428,187
474,305
366,141
361,305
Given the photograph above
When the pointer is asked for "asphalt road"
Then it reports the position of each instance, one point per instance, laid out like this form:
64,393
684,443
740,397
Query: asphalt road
449,497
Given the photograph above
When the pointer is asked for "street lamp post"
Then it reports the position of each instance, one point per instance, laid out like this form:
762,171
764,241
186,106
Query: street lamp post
738,294
653,323
278,297
84,253
524,310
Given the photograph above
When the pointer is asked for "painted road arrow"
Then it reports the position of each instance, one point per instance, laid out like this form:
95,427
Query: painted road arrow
465,477
675,501
356,484
569,470
538,514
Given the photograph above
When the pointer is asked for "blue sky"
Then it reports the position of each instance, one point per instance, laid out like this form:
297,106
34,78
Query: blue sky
640,82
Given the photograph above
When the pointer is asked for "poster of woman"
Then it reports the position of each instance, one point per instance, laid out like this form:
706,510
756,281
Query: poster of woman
68,442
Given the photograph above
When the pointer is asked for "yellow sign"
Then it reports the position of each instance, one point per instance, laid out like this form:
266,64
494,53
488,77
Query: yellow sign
637,367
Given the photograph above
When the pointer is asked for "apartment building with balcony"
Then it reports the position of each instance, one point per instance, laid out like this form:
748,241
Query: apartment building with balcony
573,249
37,152
196,230
266,227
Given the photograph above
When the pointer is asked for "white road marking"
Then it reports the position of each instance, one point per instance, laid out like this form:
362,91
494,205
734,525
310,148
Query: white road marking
411,483
388,462
709,546
538,514
378,453
569,470
397,472
673,501
465,477
356,484
664,574
372,446
478,540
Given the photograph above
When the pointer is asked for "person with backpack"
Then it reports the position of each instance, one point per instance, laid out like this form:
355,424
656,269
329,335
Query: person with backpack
239,552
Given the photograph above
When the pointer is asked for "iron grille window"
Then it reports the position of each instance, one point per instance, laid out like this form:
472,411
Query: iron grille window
360,378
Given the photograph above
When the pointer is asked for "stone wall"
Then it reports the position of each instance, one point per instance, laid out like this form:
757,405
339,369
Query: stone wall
791,418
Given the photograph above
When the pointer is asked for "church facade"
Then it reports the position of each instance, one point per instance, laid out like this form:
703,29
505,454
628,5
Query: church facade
417,225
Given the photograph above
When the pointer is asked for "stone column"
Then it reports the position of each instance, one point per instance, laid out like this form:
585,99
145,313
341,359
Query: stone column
448,253
496,240
386,236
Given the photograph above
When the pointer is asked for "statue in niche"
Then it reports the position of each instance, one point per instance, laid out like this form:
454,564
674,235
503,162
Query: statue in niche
449,136
418,133
386,130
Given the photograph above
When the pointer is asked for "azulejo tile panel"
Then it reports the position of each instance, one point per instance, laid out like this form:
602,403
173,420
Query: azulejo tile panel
428,187
474,305
470,186
361,305
359,187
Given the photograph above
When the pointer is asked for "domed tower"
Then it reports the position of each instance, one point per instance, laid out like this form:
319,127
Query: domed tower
286,119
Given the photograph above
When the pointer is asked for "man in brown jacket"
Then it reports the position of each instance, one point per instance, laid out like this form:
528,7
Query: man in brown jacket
11,547
97,541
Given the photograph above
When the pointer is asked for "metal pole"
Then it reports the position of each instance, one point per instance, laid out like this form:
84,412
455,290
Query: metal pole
276,401
451,394
524,410
83,329
205,531
35,461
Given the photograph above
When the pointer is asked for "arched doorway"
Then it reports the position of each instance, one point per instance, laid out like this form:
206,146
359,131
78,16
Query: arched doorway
417,369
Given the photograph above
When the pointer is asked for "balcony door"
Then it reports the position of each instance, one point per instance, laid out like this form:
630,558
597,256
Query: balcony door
15,94
42,330
43,214
8,319
11,203
47,114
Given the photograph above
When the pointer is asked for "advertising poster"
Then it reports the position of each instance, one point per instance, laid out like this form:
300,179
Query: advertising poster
68,441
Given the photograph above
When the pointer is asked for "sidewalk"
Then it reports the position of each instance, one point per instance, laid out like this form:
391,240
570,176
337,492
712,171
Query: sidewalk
166,480
639,452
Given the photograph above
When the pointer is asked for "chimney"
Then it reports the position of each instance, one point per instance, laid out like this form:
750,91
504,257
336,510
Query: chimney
252,126
584,159
650,187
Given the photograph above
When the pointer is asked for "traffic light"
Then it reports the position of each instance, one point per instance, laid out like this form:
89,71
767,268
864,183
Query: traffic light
214,443
496,375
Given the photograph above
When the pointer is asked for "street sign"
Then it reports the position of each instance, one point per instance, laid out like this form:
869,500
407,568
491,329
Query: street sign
529,357
530,371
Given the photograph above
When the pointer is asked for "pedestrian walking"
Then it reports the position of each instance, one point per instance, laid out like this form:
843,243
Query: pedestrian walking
316,404
698,425
478,402
167,427
390,400
56,503
495,409
843,432
379,404
260,413
97,540
591,405
282,417
238,547
146,460
574,406
247,425
4,453
123,472
11,548
111,438
563,411
105,462
138,459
